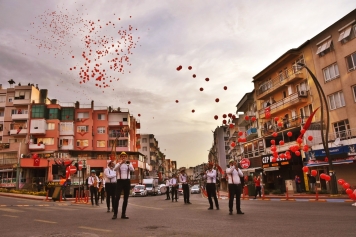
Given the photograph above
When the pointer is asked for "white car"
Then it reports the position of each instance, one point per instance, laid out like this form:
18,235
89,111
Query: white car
139,190
195,189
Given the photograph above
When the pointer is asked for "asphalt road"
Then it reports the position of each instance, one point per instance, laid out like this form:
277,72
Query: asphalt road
154,216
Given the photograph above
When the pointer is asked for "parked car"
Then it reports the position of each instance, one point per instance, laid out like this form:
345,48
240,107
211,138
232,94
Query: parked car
139,190
159,189
195,189
180,189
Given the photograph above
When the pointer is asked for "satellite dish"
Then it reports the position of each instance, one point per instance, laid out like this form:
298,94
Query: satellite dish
337,141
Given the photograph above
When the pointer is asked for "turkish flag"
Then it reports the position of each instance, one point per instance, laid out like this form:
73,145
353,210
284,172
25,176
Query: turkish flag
267,112
36,160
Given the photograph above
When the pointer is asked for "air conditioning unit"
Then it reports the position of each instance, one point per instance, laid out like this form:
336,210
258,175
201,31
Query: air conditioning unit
78,120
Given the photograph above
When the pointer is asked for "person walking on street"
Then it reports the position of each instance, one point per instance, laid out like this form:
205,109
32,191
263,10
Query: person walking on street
167,192
298,184
122,169
234,175
63,183
93,182
174,184
210,176
101,190
312,181
110,184
257,181
183,178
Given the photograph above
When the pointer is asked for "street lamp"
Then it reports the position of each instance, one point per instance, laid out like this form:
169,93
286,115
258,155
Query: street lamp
324,136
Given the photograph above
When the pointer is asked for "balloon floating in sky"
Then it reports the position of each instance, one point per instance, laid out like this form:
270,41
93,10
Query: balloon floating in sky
201,89
225,87
194,76
217,100
190,67
193,111
206,79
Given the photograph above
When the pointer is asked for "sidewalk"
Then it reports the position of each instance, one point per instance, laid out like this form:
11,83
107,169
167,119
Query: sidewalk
32,197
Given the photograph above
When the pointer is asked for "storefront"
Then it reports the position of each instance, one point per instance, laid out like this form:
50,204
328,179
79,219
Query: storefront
277,172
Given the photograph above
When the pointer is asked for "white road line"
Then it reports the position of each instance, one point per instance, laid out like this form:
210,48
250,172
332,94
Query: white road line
10,216
10,210
50,222
156,208
91,228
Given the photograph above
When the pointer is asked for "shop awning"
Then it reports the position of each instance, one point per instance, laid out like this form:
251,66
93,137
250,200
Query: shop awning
6,170
251,169
340,162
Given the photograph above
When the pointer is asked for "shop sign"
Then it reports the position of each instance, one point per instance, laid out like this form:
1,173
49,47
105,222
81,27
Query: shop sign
245,163
268,159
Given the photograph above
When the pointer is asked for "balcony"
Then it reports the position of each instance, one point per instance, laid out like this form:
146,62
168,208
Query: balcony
21,101
269,87
18,131
119,135
38,147
38,126
2,118
117,123
285,103
19,116
66,147
251,133
66,129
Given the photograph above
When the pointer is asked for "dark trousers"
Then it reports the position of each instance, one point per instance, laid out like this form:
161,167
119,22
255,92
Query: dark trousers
167,194
211,190
234,190
258,191
122,185
110,189
94,193
186,192
174,193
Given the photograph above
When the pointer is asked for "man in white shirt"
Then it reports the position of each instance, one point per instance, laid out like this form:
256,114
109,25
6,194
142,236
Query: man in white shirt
183,178
210,176
174,184
93,183
167,192
122,169
234,175
110,184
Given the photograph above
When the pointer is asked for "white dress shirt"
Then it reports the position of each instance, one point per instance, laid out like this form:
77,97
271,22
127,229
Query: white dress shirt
183,178
173,181
167,183
211,176
234,175
92,179
123,170
110,175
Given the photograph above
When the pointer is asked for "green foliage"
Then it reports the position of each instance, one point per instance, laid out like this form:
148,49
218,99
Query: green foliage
22,191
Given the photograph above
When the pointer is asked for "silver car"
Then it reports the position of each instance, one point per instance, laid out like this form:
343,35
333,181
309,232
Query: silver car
195,189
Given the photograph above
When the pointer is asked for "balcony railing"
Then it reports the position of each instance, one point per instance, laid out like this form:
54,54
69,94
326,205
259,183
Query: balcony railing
272,85
285,103
39,146
8,161
118,134
19,131
20,116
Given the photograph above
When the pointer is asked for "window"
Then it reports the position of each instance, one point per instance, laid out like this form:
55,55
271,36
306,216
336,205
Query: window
19,111
101,130
65,142
124,119
302,88
50,126
286,73
351,62
101,116
324,47
100,143
53,114
347,32
2,113
144,148
342,129
38,111
66,127
354,92
306,111
46,141
336,100
2,99
331,72
11,99
83,115
82,143
281,76
144,140
122,143
67,114
265,86
21,95
295,66
82,128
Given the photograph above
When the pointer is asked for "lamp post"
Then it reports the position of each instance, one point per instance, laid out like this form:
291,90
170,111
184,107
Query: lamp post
324,136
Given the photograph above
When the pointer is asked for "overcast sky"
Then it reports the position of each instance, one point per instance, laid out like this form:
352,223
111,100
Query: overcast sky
226,41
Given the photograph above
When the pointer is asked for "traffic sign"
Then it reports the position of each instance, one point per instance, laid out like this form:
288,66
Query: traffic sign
72,169
245,163
80,165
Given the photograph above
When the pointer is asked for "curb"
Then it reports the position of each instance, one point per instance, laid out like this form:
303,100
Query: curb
289,199
319,200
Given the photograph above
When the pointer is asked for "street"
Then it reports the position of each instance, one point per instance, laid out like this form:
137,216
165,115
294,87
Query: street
154,216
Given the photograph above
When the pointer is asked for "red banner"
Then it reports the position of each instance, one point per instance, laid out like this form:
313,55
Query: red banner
36,160
267,112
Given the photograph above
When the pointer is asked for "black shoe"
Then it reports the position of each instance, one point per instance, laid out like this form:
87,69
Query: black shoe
230,212
217,208
210,208
112,210
124,217
176,201
189,202
240,212
108,210
114,217
254,198
97,205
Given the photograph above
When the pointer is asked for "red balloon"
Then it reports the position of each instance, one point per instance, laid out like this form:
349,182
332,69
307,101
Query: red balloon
216,117
349,191
217,100
273,148
224,121
253,119
310,138
273,142
268,115
281,142
230,115
276,119
274,134
340,181
193,111
233,116
224,116
194,76
346,185
231,125
322,176
299,140
275,154
247,117
240,133
302,131
288,156
305,169
201,88
225,87
177,101
274,159
206,79
233,144
239,139
280,124
282,155
314,173
327,178
289,134
297,153
190,67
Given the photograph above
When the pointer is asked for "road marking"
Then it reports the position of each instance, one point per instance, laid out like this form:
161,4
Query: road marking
10,216
157,208
35,209
90,228
10,210
50,222
61,208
